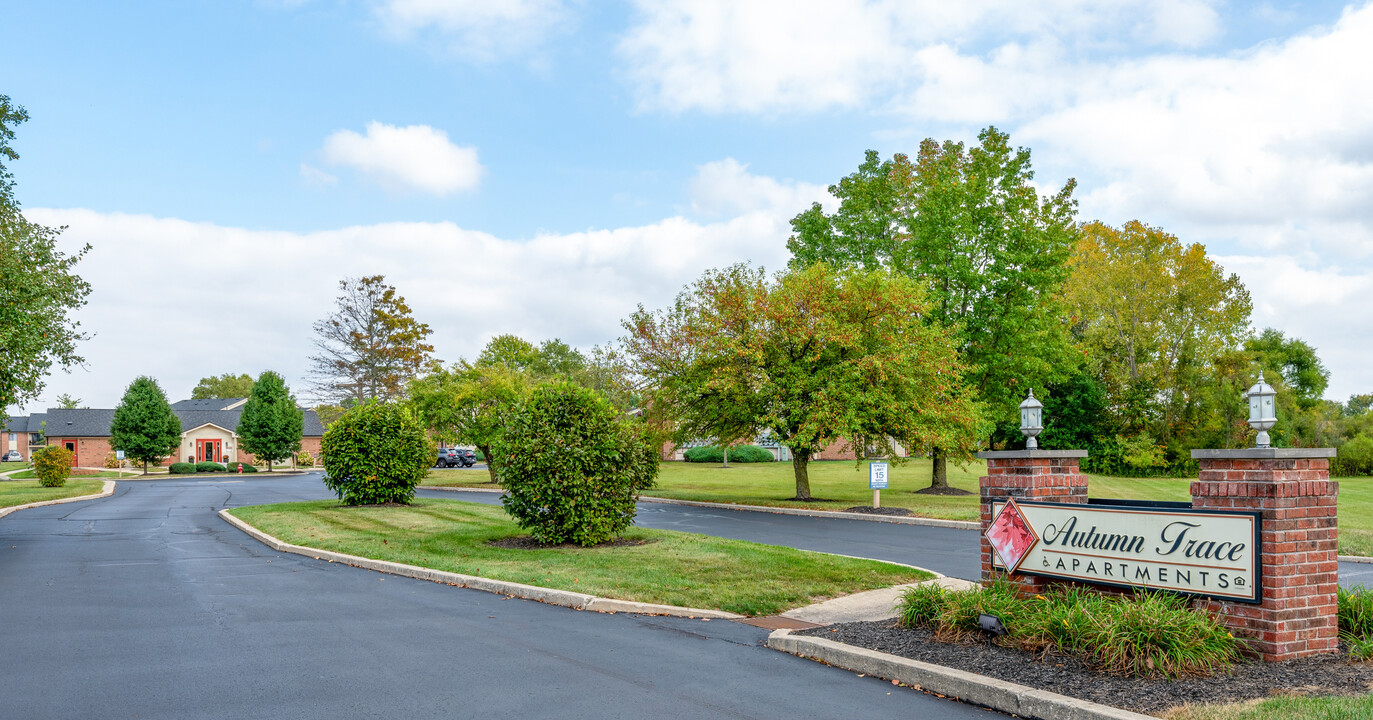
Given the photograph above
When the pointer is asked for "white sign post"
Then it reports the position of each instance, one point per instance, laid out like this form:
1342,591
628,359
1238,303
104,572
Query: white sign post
119,455
877,481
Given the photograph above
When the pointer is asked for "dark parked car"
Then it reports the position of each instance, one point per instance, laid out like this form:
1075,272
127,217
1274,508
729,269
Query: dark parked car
448,457
469,457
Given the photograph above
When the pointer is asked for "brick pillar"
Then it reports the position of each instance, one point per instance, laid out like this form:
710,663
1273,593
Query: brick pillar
1300,571
1044,475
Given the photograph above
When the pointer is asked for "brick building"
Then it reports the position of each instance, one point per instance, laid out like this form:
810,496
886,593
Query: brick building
208,432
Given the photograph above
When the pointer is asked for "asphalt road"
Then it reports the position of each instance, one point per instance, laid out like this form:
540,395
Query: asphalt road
148,605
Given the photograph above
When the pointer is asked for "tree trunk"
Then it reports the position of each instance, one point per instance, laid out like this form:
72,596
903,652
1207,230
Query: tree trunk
145,467
724,453
939,475
490,466
269,464
798,464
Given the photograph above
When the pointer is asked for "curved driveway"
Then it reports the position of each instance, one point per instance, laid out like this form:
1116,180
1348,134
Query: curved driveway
147,605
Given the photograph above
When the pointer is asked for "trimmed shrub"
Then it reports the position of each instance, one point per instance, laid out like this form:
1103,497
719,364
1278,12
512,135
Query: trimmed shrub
739,454
376,453
305,459
112,461
1144,634
182,468
1355,613
571,466
233,467
207,466
52,465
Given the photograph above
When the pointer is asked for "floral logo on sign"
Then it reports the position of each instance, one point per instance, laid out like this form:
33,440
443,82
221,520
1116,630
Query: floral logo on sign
1011,536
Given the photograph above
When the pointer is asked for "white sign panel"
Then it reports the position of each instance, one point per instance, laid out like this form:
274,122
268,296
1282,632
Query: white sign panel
1202,552
877,476
118,454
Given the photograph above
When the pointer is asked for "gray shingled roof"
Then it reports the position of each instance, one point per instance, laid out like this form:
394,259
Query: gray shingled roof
96,422
211,404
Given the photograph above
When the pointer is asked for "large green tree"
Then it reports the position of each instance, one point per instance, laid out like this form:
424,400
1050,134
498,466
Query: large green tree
470,403
227,385
814,355
969,224
144,426
1154,318
39,290
370,346
271,425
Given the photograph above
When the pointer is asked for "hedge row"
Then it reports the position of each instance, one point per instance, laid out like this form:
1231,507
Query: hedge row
184,468
739,454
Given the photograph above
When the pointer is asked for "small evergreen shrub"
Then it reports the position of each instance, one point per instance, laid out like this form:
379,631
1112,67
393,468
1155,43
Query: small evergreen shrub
571,466
52,465
207,466
112,461
376,453
305,459
245,467
739,454
1147,634
181,468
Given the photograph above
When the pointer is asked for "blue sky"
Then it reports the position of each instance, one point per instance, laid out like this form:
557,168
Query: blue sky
542,166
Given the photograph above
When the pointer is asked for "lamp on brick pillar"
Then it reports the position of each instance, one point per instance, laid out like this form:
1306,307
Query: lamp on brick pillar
1031,420
1262,414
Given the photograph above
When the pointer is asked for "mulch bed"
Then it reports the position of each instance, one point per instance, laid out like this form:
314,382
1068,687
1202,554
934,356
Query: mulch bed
879,510
524,542
947,490
1329,675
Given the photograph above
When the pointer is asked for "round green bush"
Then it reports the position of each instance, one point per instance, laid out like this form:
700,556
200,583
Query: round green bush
208,466
181,468
572,466
246,468
739,454
52,465
376,453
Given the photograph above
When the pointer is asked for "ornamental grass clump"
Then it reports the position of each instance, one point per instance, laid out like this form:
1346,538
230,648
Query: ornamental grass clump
1145,634
1355,613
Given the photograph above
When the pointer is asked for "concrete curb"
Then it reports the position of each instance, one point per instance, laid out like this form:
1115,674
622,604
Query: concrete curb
969,687
837,514
1354,558
106,490
460,489
565,598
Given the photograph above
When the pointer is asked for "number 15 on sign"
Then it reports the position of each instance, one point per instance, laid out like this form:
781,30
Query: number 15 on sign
877,481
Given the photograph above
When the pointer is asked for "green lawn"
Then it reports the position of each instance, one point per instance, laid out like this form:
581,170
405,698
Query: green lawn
1356,707
841,485
29,475
23,492
674,568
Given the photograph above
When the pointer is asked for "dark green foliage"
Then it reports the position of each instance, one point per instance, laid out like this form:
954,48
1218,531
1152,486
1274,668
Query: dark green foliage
271,425
480,456
52,465
182,468
1355,613
208,466
1355,457
144,426
376,453
245,468
572,466
738,453
1294,360
227,385
1144,634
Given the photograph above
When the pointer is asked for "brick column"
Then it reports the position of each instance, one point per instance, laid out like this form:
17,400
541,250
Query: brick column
1044,475
1300,571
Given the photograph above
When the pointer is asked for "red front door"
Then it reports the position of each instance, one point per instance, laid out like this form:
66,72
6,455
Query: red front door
208,451
72,447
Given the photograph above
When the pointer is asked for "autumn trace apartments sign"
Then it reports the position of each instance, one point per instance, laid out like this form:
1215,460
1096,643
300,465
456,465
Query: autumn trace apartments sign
1211,553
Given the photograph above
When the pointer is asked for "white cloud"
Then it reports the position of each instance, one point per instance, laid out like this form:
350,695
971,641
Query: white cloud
414,156
725,188
476,29
314,176
227,299
777,56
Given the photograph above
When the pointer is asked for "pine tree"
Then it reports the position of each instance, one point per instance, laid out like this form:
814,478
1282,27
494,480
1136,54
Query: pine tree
271,425
144,426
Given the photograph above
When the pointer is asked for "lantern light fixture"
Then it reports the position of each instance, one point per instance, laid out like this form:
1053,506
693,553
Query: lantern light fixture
1031,420
1262,411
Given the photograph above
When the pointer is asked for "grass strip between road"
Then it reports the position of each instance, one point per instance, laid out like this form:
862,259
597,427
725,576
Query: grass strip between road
840,484
23,492
1355,707
670,568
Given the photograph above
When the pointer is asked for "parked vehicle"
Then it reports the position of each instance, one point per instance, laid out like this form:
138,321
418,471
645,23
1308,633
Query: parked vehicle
469,457
14,456
449,457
